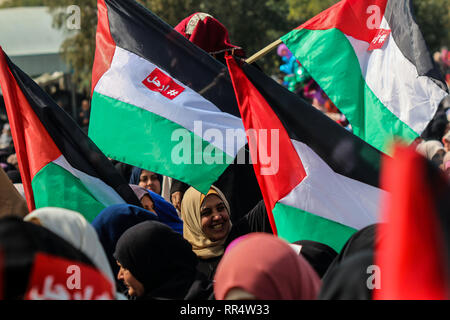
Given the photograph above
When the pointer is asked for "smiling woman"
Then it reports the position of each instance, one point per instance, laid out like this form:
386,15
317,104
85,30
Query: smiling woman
215,217
207,225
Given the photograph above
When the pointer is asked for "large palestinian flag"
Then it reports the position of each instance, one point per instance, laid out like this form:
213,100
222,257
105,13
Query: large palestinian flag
60,166
319,181
413,252
370,58
159,102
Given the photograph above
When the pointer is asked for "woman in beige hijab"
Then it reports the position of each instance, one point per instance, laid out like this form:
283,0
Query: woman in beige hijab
433,150
206,225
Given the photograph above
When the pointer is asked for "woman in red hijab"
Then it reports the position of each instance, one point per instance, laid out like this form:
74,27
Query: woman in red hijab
209,34
261,266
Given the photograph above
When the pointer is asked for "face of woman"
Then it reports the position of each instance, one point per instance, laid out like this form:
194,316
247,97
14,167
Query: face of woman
135,288
148,204
149,180
215,218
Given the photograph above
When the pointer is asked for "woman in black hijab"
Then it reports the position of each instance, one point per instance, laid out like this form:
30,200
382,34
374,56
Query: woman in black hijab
364,239
350,280
319,255
157,263
19,243
347,276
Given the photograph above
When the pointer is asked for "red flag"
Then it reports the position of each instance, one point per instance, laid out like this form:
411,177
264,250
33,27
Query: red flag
412,256
55,278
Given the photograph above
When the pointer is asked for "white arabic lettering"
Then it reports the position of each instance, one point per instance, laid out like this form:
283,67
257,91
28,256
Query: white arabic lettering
164,88
50,291
56,291
155,81
382,38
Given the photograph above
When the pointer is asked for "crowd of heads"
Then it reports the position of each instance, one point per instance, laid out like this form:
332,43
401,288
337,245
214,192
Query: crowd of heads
188,248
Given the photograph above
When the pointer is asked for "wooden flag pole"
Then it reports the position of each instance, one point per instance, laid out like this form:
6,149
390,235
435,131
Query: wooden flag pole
261,53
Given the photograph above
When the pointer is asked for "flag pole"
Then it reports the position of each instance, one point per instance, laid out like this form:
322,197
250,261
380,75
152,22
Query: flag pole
261,53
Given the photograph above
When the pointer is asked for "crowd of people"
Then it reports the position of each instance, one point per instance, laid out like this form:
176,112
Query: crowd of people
185,245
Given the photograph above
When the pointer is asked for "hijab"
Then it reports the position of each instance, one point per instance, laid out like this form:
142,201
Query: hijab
207,33
362,240
159,258
113,221
319,255
166,212
192,225
76,230
135,177
429,148
348,281
266,267
19,242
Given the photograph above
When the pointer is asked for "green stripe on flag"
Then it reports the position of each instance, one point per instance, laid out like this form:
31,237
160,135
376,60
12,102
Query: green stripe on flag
144,139
294,224
53,186
330,59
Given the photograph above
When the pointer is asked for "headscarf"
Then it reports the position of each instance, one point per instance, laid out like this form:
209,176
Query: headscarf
139,191
348,281
11,201
319,255
266,267
362,240
75,229
202,246
113,221
207,33
159,258
429,148
136,176
20,241
166,212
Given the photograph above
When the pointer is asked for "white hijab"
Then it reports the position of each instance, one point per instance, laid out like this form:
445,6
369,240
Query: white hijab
429,148
75,229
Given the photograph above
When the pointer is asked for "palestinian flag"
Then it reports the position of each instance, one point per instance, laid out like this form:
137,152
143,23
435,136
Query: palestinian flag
371,60
60,166
413,253
318,180
159,102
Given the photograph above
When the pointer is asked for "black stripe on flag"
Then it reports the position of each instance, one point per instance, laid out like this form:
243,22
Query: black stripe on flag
78,149
344,152
138,30
410,41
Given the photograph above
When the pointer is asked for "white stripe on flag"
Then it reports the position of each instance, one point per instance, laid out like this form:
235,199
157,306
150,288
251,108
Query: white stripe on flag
100,190
333,196
123,82
396,83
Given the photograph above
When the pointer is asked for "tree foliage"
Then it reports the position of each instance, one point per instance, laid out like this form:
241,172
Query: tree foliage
303,10
252,24
433,18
